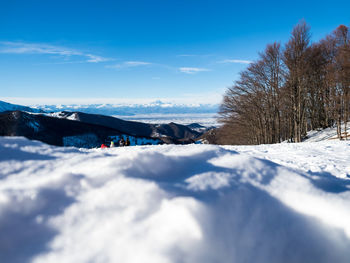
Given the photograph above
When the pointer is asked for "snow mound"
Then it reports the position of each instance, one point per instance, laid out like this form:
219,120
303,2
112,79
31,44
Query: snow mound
194,203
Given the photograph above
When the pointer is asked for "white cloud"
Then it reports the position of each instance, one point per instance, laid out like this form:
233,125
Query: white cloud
237,61
129,64
136,63
96,59
195,55
186,55
189,70
8,47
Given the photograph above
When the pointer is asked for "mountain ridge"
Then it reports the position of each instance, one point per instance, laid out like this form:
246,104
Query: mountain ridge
5,106
90,130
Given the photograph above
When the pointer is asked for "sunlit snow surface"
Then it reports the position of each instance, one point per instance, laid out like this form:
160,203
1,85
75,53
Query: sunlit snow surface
194,203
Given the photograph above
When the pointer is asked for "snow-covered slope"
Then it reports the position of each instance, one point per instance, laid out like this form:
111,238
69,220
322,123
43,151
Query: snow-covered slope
195,203
4,106
329,158
326,134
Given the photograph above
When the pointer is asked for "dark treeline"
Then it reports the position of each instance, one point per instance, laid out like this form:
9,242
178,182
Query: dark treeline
290,90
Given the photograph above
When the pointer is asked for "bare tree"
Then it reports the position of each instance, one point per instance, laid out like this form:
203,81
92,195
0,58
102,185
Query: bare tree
338,45
295,56
283,95
254,102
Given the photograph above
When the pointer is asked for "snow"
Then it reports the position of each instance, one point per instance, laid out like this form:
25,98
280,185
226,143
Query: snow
62,115
169,203
329,158
326,134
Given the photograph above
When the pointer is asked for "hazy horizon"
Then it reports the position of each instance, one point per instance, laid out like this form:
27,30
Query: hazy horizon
212,99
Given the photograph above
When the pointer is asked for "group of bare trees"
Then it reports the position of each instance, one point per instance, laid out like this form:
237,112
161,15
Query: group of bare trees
290,90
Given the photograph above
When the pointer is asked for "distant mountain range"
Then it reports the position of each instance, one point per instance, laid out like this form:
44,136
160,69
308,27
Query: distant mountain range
157,107
4,106
86,130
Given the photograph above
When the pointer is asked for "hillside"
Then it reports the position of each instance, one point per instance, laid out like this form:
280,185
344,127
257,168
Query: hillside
171,130
4,106
54,131
193,203
326,134
90,130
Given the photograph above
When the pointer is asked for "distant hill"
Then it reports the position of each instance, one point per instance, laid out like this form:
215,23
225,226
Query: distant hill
175,131
200,128
5,106
54,131
90,130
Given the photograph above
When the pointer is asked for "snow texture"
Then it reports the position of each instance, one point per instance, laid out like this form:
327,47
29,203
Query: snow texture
193,203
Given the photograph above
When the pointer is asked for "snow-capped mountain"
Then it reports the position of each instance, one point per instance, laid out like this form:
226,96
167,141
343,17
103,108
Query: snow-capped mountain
5,106
155,112
157,107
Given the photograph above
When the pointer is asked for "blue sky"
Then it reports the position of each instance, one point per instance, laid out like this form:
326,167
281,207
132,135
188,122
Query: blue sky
184,50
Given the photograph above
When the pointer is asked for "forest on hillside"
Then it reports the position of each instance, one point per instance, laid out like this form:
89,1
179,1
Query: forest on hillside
289,90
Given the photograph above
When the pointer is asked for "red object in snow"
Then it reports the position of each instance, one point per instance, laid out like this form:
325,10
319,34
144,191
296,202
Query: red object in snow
103,146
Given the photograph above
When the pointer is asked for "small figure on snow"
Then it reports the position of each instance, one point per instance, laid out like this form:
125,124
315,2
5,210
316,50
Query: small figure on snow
103,146
121,142
127,143
112,144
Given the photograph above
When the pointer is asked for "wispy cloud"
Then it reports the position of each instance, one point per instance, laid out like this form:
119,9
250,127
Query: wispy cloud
189,70
196,55
8,47
186,55
237,61
129,64
95,59
136,63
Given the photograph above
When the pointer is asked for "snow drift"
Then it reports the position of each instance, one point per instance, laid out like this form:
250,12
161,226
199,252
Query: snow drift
194,203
